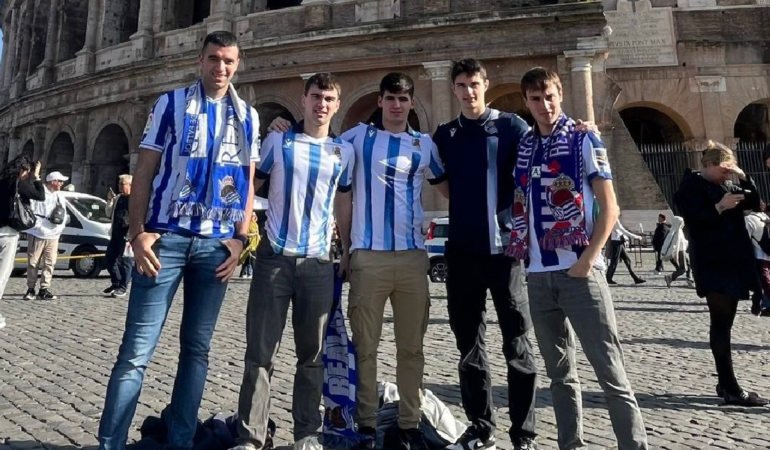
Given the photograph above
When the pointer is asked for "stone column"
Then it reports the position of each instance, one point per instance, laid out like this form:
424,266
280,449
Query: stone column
24,33
710,88
4,148
4,64
582,84
441,112
50,44
86,57
79,169
11,59
221,17
143,38
14,147
41,153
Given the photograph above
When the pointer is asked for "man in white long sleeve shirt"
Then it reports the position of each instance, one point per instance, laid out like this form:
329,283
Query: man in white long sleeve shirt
618,251
43,238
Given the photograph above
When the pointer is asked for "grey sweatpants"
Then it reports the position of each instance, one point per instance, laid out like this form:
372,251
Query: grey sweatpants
278,281
560,304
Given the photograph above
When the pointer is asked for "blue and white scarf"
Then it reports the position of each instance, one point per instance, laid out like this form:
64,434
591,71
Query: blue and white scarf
216,185
563,158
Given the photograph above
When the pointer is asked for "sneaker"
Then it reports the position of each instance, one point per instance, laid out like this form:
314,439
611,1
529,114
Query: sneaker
524,443
657,272
411,439
30,294
639,281
690,283
308,443
369,438
119,292
45,294
611,282
109,290
2,322
765,312
470,440
745,398
668,281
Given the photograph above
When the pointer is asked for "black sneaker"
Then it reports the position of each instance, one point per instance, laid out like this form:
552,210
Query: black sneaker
524,443
110,290
470,440
30,294
745,398
45,294
369,440
119,293
610,282
411,439
639,281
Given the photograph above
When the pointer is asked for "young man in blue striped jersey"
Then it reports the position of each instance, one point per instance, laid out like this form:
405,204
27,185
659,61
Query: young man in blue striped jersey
190,209
306,165
387,257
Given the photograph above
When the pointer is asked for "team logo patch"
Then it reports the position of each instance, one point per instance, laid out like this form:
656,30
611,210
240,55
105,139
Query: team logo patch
287,141
149,123
490,128
227,192
416,143
337,152
452,132
371,132
187,189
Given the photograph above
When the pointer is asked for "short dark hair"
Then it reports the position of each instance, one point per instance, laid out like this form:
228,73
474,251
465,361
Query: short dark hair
538,79
395,83
662,216
324,81
468,66
221,39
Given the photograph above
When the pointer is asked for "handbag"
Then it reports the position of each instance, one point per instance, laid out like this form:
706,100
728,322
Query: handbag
22,217
58,213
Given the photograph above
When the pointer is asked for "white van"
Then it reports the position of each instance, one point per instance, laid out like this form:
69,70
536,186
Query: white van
87,232
435,244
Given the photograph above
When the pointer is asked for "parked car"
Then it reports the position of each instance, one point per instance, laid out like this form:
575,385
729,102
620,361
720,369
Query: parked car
87,232
435,244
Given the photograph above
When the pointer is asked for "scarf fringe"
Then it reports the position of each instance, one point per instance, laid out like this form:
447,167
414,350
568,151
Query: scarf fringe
579,239
183,209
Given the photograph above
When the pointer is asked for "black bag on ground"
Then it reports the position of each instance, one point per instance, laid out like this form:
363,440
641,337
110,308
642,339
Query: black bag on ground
22,217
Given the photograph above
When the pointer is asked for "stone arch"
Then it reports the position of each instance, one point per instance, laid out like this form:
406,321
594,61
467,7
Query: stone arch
73,21
753,123
179,14
109,159
121,20
103,124
507,97
654,123
29,148
39,33
61,154
268,111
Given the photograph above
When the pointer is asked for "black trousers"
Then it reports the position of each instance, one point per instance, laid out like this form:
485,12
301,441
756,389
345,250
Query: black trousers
118,265
618,252
469,278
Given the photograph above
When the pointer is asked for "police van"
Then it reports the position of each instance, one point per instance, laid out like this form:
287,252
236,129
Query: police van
87,233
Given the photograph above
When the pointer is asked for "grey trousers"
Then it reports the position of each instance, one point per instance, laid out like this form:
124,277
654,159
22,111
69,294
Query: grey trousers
278,281
7,254
559,305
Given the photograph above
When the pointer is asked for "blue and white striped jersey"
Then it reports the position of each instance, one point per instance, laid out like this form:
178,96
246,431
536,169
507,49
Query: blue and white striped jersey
217,135
304,174
387,187
595,165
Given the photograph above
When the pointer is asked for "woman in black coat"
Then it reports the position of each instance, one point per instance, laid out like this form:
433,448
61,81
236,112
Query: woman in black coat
18,172
721,254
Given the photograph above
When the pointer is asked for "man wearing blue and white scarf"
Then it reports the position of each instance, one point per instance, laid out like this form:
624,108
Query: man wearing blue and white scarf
190,210
562,177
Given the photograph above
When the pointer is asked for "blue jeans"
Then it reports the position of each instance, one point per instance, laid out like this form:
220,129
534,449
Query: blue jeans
194,260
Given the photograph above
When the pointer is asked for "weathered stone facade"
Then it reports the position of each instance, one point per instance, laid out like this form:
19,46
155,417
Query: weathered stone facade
75,91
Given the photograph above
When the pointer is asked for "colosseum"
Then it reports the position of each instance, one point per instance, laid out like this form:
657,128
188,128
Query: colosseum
78,77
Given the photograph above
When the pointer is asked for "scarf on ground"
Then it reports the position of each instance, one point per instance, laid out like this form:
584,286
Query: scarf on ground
557,199
216,184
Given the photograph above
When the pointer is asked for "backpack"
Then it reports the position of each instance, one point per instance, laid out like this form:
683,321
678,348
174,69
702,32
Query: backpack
764,241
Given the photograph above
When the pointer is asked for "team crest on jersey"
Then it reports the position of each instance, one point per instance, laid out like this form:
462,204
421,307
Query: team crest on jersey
187,189
149,123
452,132
337,152
416,143
227,192
490,128
371,132
287,141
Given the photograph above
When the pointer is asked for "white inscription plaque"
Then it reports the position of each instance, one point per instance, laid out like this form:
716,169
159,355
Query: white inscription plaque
642,38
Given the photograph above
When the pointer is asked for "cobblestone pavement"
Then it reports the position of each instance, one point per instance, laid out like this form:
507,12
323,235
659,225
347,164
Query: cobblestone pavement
55,359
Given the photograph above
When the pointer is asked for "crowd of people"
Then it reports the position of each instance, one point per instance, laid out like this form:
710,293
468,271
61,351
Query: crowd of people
522,202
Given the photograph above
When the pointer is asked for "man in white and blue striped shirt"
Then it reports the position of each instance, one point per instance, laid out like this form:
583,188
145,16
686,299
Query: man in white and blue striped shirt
388,253
190,208
306,165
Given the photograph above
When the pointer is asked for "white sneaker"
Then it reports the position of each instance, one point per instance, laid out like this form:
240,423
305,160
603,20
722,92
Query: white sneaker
657,272
308,443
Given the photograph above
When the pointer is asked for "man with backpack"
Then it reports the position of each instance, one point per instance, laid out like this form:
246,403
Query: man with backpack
756,224
43,238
